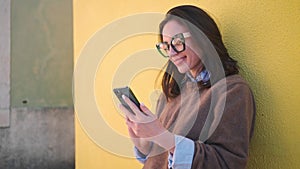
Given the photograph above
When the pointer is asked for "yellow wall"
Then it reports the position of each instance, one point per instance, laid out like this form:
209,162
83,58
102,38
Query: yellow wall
263,36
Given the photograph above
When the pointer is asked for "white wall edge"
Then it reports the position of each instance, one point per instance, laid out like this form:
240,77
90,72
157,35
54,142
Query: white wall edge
5,62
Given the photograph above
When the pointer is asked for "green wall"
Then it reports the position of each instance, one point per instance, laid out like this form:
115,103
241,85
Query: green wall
41,53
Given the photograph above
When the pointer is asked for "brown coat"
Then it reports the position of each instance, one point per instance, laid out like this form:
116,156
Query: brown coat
219,120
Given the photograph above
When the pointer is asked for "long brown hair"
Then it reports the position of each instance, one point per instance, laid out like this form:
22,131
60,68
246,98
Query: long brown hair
198,22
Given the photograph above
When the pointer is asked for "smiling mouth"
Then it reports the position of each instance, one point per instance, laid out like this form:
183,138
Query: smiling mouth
178,61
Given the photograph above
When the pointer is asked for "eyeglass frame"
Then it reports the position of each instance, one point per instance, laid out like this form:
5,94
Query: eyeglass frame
180,35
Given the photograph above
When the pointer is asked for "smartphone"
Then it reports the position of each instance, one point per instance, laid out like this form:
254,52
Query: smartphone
128,93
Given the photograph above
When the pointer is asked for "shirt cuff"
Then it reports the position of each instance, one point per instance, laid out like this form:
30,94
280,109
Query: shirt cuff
183,153
140,156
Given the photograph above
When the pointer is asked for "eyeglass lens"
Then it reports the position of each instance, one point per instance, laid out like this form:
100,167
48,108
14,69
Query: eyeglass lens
177,44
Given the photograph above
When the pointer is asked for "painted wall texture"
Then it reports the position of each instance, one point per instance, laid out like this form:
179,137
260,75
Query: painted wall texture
42,45
263,36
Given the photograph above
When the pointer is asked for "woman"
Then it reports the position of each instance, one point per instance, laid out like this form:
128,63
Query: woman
205,116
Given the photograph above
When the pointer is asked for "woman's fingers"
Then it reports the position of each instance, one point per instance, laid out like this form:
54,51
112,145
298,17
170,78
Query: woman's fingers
132,133
128,114
144,116
146,111
132,106
139,115
128,122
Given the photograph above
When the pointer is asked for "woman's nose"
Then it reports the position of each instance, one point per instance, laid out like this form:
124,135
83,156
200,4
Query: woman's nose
172,52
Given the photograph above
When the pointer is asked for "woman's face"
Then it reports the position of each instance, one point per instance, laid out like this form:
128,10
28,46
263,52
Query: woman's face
187,60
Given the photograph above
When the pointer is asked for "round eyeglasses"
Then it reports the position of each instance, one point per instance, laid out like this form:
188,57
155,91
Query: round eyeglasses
177,44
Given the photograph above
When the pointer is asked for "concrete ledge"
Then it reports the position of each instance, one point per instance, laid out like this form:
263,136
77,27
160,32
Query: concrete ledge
38,138
4,118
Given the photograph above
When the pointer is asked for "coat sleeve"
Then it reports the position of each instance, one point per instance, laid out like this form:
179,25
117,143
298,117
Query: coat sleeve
227,147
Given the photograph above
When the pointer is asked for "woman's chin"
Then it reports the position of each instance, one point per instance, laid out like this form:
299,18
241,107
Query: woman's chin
183,69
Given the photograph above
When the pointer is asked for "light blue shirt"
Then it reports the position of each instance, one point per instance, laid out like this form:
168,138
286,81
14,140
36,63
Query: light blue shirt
182,157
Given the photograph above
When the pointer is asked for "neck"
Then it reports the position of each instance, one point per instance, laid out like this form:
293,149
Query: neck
195,71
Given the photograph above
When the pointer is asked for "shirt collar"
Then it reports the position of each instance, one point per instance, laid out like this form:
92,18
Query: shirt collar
203,76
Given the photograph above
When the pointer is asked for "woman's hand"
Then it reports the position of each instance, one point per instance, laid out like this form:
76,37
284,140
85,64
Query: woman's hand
144,127
143,145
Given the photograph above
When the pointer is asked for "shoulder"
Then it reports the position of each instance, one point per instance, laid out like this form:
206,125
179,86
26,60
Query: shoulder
231,89
236,80
233,82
